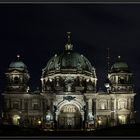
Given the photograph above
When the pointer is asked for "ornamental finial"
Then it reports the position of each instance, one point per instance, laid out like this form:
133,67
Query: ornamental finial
69,37
68,46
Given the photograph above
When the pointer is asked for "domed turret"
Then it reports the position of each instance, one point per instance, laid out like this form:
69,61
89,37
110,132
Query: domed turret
18,64
17,77
120,77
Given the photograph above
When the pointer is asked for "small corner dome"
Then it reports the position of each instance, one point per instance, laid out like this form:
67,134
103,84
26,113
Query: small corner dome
17,64
120,66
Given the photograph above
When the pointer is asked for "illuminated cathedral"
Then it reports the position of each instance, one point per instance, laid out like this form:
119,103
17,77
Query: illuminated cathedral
68,98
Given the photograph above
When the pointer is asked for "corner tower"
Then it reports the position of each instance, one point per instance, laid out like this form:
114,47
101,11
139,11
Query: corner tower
17,77
121,92
120,77
15,95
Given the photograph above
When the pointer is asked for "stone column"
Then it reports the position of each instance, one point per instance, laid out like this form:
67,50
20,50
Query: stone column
90,114
132,104
129,103
42,84
108,104
82,114
7,101
113,114
41,106
10,104
90,105
56,115
94,106
115,104
112,104
132,116
116,77
22,104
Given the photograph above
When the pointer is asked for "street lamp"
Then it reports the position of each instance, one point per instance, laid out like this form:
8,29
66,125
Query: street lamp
48,117
99,122
39,122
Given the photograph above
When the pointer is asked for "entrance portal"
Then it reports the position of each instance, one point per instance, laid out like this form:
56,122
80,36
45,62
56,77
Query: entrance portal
16,119
69,118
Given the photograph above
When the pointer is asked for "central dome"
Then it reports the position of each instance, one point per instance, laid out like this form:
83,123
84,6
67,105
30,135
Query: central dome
69,60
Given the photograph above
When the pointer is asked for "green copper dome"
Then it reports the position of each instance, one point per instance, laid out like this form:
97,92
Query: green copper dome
69,60
120,66
18,65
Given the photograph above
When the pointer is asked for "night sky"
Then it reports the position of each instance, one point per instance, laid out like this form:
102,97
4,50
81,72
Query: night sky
38,31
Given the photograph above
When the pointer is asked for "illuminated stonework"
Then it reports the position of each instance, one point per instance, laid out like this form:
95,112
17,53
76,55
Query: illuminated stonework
68,98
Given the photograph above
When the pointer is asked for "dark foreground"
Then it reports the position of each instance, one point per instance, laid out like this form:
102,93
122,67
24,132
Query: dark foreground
124,130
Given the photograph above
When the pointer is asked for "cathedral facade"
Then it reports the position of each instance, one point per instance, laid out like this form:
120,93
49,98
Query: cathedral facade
68,98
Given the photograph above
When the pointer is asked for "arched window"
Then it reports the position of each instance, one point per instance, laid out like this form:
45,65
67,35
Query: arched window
122,104
102,120
103,104
122,119
122,80
16,119
69,84
16,80
35,104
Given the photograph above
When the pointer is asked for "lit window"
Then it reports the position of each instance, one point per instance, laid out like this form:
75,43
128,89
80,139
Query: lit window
122,119
103,104
122,104
16,119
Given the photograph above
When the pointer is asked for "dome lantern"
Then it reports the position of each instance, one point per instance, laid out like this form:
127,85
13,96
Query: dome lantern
68,46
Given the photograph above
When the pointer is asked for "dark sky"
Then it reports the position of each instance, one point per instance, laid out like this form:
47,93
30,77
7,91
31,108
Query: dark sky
38,31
